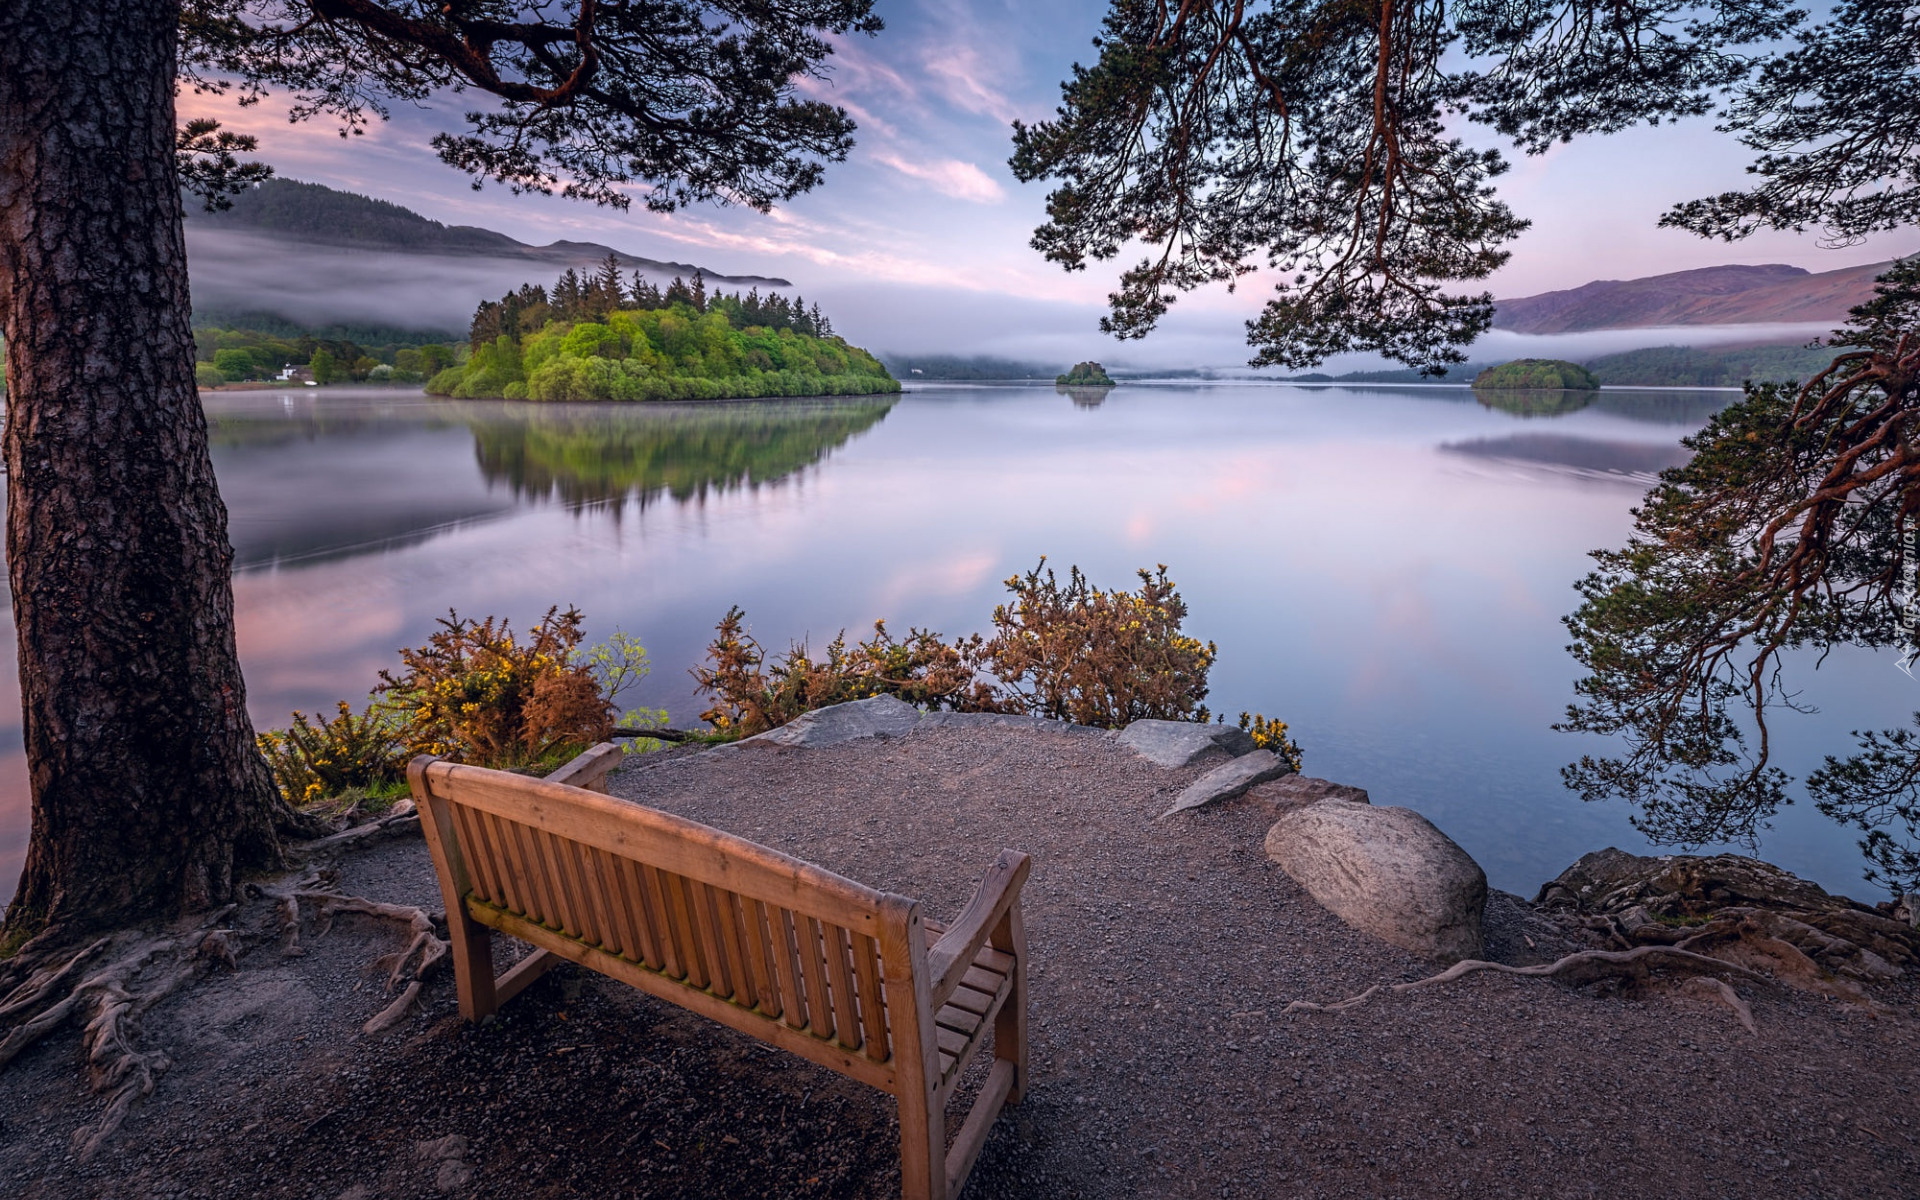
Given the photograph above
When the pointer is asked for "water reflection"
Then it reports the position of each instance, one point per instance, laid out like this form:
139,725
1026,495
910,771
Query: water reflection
1385,568
602,455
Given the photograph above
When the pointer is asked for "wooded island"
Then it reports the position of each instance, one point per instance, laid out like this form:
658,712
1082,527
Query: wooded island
597,338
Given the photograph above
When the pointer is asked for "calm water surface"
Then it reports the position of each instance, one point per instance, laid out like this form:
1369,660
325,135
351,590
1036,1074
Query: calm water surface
1385,569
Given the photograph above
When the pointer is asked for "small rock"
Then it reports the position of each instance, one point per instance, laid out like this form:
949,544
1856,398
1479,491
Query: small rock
441,1149
1175,744
1228,780
847,722
1388,872
454,1174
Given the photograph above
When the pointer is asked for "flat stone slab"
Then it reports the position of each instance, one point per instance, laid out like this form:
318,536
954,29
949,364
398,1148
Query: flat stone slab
1228,780
1020,721
1175,744
872,717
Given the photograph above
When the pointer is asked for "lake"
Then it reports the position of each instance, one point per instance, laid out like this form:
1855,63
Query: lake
1383,568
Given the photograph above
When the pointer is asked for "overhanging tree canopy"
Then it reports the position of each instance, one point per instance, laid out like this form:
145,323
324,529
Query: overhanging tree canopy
149,793
1321,138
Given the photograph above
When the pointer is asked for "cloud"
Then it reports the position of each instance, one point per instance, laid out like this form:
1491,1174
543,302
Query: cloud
949,176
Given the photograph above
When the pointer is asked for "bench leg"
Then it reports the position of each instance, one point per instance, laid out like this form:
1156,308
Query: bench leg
1010,1025
923,1144
472,965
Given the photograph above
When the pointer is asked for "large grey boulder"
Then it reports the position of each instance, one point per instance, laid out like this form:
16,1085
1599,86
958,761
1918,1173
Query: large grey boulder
1387,872
847,722
1228,780
1175,744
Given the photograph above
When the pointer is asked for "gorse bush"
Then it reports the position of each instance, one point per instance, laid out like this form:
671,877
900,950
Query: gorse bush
311,762
1062,650
1271,735
752,695
1076,653
477,693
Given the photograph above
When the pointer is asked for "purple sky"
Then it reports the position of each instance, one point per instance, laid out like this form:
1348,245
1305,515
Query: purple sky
919,241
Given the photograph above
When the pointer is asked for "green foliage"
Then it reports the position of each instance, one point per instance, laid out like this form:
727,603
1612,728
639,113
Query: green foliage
325,367
313,762
1319,140
476,693
1545,374
1086,374
670,353
234,365
1272,735
206,375
1692,366
1789,530
1065,651
608,454
618,665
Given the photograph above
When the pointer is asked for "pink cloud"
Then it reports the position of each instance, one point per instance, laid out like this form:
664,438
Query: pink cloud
949,176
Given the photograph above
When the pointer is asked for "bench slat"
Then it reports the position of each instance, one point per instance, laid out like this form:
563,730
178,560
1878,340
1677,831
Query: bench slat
670,842
661,913
760,957
873,1018
846,1020
819,1005
786,965
673,991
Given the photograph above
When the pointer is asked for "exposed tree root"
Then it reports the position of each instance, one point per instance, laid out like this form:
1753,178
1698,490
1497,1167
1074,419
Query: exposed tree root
1584,966
111,1001
402,818
423,953
57,987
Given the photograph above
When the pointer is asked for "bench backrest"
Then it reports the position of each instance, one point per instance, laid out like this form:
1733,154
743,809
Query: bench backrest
765,932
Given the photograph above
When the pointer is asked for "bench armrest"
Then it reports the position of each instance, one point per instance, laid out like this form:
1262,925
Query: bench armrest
589,768
949,958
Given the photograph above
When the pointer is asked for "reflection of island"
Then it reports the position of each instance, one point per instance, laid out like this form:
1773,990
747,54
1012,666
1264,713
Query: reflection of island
1534,402
1577,455
1083,397
601,455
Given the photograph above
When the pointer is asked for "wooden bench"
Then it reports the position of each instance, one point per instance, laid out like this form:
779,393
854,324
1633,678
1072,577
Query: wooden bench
849,977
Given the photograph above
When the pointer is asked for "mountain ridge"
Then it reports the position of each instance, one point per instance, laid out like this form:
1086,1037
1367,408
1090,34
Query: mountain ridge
317,215
1733,294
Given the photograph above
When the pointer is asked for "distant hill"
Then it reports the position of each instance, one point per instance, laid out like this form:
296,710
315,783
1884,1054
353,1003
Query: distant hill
1730,295
311,213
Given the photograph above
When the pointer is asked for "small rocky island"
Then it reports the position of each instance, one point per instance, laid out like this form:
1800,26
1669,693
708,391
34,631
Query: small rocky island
1085,374
1541,374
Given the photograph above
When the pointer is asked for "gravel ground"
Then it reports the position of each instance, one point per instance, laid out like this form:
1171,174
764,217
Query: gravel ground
1162,955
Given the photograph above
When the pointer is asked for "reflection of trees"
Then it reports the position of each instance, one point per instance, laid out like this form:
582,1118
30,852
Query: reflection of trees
601,455
1663,408
1532,402
1083,396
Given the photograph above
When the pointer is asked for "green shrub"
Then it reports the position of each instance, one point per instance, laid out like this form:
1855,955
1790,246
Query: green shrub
477,693
1271,735
312,762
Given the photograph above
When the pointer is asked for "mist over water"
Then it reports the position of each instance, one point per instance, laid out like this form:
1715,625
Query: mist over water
1385,569
236,272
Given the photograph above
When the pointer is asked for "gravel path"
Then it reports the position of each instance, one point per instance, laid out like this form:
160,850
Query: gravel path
1162,954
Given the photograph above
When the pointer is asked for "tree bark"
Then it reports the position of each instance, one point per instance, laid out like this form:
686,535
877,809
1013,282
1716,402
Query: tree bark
149,794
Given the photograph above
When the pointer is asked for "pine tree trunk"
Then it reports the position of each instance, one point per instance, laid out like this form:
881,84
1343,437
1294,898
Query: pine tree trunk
149,795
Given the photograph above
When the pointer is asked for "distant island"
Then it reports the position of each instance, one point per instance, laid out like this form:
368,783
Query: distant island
1086,374
1543,374
603,337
